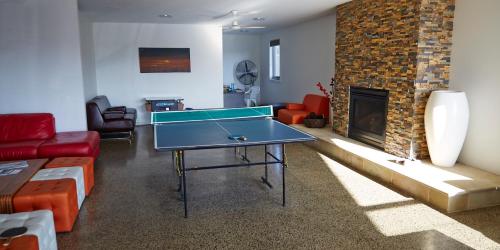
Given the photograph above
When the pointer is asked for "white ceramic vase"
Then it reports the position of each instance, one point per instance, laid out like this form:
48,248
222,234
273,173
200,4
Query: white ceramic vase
446,122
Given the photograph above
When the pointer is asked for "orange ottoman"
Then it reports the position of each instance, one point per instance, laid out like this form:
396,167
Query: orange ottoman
56,195
25,242
87,163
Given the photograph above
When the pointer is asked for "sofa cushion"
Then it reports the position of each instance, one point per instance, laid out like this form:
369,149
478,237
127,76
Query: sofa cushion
125,125
295,106
113,115
317,104
131,117
20,150
20,127
117,108
291,116
82,143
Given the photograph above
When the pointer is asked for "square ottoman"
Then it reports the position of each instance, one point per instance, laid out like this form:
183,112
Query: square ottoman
87,163
39,225
59,196
75,173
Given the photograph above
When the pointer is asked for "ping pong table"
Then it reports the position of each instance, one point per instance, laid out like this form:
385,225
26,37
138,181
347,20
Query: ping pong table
180,131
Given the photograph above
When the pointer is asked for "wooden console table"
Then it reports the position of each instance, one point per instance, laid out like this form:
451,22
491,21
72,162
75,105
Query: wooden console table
10,184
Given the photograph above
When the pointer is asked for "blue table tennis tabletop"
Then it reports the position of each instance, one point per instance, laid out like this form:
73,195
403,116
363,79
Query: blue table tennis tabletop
223,128
217,133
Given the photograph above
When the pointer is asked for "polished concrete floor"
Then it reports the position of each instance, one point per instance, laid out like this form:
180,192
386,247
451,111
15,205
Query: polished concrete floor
134,205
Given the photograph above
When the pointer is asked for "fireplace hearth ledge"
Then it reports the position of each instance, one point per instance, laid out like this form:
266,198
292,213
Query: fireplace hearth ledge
448,189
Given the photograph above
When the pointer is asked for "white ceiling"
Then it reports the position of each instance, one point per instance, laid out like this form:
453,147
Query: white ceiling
277,13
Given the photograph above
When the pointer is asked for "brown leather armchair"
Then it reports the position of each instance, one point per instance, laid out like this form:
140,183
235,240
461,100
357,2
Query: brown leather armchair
106,119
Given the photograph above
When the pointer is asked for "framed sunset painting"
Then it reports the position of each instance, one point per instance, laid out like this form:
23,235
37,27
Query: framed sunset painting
164,60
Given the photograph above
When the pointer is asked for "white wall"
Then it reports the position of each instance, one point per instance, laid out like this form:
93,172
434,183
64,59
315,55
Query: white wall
40,62
117,64
307,57
88,58
475,69
236,48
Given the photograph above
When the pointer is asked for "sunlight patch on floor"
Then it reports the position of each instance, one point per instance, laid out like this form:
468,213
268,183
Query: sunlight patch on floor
393,214
364,191
408,219
419,217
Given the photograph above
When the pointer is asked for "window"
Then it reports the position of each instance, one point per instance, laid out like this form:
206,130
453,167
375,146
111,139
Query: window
274,60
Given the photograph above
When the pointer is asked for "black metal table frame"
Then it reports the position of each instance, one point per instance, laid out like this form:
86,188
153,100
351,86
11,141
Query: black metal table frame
180,165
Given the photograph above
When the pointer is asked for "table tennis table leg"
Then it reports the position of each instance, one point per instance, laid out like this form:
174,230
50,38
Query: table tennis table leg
284,165
184,185
264,178
244,156
177,168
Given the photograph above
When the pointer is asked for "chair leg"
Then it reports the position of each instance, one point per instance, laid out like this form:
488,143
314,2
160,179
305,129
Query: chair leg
131,137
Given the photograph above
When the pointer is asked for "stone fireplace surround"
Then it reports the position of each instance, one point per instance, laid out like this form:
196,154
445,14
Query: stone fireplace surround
402,46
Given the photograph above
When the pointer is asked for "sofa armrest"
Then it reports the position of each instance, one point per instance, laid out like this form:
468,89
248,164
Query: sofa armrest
113,112
117,108
295,106
113,115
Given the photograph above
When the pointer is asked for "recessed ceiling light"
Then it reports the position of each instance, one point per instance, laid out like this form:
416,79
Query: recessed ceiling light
259,19
165,15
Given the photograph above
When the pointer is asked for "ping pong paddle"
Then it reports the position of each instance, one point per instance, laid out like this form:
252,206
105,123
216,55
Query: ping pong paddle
237,137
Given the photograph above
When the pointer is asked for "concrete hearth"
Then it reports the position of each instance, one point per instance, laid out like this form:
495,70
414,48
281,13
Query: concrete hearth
448,189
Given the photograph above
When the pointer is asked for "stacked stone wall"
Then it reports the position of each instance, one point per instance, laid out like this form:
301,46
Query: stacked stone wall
401,46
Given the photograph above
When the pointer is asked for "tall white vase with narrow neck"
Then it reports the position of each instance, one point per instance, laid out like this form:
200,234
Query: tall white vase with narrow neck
446,122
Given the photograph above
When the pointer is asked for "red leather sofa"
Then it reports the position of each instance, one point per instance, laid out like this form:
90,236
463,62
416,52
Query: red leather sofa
296,112
29,136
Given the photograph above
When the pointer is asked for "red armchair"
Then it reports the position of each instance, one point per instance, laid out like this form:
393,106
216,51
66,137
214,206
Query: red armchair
30,136
296,112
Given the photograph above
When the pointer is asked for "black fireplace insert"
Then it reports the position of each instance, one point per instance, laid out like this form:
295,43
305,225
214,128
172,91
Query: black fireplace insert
368,115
